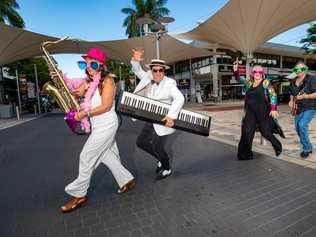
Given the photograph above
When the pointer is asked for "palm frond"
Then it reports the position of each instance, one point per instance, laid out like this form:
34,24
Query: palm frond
161,3
9,14
152,8
162,11
15,19
128,10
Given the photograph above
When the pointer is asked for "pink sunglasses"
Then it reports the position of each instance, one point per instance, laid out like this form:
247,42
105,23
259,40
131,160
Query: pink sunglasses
257,71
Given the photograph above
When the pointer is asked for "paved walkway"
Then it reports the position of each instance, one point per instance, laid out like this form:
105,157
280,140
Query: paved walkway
226,120
10,122
210,193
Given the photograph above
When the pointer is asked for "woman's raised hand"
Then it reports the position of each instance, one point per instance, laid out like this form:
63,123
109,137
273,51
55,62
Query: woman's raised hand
138,54
235,65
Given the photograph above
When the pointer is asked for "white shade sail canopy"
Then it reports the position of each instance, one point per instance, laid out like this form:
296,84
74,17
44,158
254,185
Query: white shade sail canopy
246,24
17,44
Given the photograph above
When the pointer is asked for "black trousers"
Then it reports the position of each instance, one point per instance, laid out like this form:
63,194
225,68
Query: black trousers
256,118
149,141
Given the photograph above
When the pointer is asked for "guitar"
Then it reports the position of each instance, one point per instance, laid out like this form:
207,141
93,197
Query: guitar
294,106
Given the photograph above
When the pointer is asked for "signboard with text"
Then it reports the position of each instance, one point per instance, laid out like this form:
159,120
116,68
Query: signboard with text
225,68
31,90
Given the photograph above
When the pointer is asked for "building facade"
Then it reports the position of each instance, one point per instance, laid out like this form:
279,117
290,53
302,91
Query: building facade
211,78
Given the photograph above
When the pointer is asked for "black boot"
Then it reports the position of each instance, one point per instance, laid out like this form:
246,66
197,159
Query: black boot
305,154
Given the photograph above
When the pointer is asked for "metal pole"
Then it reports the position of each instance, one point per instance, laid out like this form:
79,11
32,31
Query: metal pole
37,90
121,86
2,97
193,94
18,89
157,45
17,112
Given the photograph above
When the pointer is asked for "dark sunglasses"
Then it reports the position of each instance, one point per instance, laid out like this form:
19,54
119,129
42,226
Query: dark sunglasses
257,71
300,69
93,64
157,70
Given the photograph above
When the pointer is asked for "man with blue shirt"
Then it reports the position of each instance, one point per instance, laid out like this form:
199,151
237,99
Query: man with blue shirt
303,92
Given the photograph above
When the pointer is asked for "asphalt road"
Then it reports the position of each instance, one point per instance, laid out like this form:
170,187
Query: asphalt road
209,194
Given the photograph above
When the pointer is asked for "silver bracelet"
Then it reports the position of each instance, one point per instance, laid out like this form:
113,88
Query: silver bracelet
89,114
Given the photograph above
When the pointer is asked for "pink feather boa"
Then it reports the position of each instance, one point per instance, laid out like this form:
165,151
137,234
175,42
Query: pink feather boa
73,84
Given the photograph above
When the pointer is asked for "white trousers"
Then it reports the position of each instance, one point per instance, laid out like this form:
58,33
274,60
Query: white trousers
100,147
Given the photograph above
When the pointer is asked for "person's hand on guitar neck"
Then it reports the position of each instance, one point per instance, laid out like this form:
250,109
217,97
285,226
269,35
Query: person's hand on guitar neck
302,96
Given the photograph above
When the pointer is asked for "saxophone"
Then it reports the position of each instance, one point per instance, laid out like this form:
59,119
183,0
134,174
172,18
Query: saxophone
58,89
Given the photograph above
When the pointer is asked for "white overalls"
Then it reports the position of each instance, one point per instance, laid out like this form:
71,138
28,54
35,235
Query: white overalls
100,147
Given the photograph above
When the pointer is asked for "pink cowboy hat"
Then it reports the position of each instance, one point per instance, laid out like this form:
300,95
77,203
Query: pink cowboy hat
96,54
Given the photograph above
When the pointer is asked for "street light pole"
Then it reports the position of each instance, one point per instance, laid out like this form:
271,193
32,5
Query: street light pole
157,46
120,70
160,25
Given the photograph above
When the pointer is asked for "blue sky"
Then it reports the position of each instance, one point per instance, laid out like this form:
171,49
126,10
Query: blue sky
102,20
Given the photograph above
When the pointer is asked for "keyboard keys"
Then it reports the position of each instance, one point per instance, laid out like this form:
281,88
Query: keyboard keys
154,111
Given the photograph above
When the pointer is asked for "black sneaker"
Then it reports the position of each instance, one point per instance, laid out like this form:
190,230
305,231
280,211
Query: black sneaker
305,154
278,152
163,174
159,167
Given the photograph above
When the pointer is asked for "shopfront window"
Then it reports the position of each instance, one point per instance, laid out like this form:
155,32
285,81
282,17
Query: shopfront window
224,59
311,64
201,62
182,66
290,62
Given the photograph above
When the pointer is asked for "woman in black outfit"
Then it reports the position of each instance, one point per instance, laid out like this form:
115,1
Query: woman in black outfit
260,109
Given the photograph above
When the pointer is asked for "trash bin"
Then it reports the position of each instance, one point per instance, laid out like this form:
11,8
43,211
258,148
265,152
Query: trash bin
6,111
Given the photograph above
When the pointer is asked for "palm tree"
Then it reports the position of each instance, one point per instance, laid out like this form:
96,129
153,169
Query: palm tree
310,40
9,14
149,8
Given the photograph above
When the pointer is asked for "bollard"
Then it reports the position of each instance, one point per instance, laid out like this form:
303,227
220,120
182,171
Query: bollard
17,112
35,110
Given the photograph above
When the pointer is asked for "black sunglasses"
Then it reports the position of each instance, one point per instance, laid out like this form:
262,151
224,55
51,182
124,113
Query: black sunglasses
157,70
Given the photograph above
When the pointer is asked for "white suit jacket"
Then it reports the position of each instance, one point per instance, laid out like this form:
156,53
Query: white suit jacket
167,92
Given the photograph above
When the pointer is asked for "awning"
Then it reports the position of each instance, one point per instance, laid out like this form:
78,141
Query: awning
17,44
246,24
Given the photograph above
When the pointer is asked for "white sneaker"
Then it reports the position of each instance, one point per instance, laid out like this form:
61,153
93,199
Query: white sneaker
163,174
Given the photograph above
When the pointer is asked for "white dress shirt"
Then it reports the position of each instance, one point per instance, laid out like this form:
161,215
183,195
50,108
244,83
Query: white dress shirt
166,91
